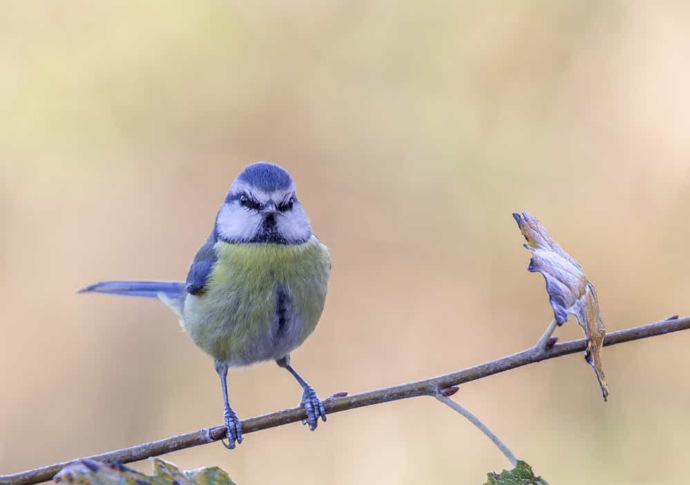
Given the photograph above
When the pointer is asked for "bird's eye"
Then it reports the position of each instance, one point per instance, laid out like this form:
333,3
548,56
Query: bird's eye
287,205
248,203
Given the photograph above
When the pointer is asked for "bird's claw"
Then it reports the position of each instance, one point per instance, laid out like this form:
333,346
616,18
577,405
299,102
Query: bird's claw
234,429
314,408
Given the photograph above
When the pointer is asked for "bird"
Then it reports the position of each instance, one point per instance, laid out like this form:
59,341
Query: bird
256,288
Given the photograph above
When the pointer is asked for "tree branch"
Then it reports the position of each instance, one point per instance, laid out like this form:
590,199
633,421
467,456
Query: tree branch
335,404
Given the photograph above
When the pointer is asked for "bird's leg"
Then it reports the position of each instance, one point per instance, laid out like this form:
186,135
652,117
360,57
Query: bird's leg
232,422
310,401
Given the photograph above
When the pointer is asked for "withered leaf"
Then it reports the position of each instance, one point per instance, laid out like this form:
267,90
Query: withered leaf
570,293
92,472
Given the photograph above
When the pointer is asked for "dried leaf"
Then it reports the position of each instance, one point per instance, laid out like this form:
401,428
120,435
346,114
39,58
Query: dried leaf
570,293
522,474
90,472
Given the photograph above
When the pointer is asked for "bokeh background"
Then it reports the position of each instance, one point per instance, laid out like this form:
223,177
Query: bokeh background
413,130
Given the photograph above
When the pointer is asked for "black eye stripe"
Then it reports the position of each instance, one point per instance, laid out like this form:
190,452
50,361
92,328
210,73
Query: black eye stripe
286,205
249,203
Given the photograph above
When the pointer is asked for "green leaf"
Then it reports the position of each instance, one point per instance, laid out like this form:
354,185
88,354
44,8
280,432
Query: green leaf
522,474
90,472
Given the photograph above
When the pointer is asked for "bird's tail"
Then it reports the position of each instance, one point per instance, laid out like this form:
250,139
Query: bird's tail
170,292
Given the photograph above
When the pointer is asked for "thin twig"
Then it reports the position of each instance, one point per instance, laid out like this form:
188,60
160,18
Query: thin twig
480,425
544,339
426,387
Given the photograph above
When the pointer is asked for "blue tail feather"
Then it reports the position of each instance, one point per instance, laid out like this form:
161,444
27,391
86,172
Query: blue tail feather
147,289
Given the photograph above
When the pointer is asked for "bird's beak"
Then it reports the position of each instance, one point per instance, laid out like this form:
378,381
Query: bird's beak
270,208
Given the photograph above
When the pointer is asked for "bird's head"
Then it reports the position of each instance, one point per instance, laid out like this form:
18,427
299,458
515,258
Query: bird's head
262,207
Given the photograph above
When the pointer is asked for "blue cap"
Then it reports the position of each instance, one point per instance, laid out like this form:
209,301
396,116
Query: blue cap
266,176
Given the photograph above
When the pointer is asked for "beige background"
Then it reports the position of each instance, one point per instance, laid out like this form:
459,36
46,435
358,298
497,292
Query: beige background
413,130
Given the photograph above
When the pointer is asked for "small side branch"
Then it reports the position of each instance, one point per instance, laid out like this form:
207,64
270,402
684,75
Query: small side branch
426,387
480,425
543,341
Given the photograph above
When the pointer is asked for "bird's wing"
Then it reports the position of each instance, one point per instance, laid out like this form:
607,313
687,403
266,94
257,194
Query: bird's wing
201,267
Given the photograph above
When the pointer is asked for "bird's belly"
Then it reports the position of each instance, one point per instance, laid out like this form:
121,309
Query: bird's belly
241,329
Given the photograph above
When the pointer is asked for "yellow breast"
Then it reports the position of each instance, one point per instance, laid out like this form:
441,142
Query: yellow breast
261,300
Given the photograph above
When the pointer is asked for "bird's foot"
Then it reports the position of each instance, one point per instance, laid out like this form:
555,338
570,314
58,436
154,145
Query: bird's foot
234,429
314,408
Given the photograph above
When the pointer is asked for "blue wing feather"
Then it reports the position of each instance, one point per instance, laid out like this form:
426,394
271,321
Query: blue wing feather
171,292
202,266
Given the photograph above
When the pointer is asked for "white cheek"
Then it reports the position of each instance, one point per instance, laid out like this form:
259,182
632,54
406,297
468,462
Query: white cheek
295,226
235,223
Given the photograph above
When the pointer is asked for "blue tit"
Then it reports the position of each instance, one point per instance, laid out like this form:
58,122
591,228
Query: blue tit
256,288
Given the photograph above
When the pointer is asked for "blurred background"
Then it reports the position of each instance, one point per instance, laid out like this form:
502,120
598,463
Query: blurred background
413,130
